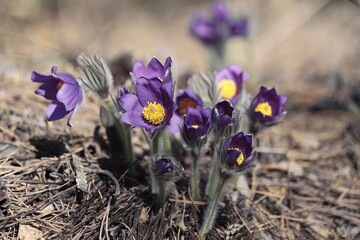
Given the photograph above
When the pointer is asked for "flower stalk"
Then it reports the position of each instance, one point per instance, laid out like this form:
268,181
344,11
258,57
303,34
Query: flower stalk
211,209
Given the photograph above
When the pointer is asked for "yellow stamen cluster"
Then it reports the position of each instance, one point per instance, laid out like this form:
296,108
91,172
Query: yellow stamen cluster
240,158
59,85
154,113
227,89
264,108
195,126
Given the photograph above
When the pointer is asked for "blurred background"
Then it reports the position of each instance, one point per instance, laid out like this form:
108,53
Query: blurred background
298,46
289,35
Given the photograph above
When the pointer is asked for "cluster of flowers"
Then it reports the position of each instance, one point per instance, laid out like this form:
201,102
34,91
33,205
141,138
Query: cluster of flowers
228,121
153,107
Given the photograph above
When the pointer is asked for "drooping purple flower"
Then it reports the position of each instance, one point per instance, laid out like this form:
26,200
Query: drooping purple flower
196,126
230,82
225,118
64,91
151,108
218,27
155,69
267,106
237,152
186,99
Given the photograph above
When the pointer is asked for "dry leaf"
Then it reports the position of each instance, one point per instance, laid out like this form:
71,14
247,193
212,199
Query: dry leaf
27,232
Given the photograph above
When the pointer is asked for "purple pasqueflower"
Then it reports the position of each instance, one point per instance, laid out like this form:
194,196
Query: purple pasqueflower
64,91
166,168
186,99
196,126
267,106
151,108
237,152
218,27
230,82
225,118
155,69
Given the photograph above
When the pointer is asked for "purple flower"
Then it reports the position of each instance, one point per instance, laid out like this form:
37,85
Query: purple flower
230,82
166,168
225,118
196,126
151,108
267,106
218,27
155,69
237,152
64,91
186,99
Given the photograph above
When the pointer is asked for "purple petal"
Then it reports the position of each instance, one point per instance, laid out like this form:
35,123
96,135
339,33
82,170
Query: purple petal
65,77
174,126
37,77
55,111
48,90
148,91
128,101
139,69
70,95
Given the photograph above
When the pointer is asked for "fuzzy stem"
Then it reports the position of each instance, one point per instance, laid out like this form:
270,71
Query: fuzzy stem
155,188
161,195
211,210
214,174
125,136
195,179
166,142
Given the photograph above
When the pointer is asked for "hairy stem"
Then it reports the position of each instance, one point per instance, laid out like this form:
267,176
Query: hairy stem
211,210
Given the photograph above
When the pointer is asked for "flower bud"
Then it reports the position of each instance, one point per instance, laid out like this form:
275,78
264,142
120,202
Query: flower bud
225,118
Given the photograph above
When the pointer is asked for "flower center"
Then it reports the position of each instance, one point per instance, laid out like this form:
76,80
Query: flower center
240,158
185,103
59,85
154,113
264,108
195,126
227,89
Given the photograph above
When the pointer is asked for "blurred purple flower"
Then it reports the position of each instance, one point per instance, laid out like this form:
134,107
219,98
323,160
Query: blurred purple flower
196,126
267,106
151,108
64,91
230,82
225,118
186,99
237,152
218,27
155,69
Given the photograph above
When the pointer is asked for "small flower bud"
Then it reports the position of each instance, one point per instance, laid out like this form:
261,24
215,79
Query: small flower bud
225,118
98,77
165,168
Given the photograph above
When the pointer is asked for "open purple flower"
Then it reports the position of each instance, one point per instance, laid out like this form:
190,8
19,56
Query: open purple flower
218,27
64,91
225,118
267,106
196,126
237,152
151,108
155,69
186,99
230,82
